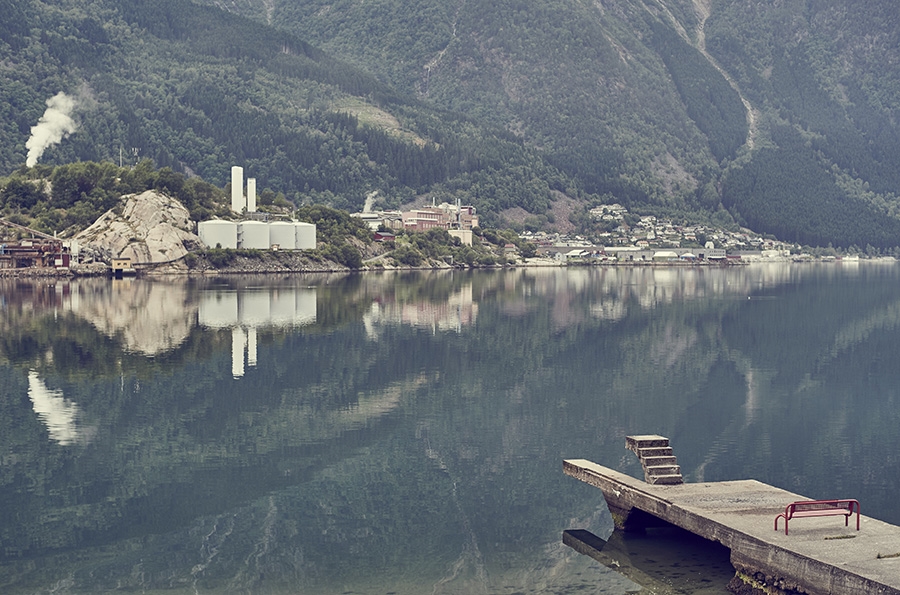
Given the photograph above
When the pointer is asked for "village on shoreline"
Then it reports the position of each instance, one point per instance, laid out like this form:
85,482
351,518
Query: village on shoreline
153,235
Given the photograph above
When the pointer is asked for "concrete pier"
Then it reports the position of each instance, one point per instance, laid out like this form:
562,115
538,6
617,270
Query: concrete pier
820,556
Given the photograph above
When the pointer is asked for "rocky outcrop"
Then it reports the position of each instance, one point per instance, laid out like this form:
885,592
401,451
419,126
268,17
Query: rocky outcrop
148,228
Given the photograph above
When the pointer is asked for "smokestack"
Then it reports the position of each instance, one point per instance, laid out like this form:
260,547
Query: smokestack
55,125
237,189
251,195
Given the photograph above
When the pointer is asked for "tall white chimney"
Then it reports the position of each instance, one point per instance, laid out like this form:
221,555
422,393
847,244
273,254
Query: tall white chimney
251,195
237,189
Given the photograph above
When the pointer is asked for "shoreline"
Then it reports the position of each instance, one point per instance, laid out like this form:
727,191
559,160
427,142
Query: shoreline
252,267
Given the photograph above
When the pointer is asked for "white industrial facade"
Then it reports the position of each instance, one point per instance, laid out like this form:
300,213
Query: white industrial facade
218,233
283,235
253,235
257,235
305,236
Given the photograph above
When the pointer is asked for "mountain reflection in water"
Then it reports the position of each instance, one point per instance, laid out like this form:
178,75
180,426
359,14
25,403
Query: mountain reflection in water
403,432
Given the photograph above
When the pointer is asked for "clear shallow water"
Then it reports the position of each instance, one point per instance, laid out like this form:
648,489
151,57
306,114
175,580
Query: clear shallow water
404,433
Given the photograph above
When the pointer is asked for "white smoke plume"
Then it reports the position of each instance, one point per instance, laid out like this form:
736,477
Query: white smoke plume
55,125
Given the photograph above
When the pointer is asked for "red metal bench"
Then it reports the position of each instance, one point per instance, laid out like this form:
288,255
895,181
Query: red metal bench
819,508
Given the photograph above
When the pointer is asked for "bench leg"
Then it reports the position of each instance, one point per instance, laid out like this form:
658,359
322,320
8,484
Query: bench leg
782,515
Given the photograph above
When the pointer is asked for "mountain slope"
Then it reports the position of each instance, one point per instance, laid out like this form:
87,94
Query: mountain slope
785,115
655,101
200,90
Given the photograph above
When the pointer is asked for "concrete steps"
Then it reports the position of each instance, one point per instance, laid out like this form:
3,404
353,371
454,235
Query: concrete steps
657,459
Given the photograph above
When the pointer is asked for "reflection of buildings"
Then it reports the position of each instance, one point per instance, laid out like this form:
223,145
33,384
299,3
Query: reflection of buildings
156,317
458,311
245,311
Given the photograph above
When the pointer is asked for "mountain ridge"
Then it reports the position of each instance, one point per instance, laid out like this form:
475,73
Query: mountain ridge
680,105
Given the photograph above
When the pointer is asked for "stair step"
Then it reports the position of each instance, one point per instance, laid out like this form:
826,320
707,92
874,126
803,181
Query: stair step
662,470
655,451
666,479
645,441
656,461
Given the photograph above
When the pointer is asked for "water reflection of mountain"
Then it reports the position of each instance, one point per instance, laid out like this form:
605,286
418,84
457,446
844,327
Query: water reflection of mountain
155,317
429,460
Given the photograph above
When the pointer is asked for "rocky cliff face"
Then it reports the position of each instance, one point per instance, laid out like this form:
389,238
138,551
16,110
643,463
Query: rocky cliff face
147,228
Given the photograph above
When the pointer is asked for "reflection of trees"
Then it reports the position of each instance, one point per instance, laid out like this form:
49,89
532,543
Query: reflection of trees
329,458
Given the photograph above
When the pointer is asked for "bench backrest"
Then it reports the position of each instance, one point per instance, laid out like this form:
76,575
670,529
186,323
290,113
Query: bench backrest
810,505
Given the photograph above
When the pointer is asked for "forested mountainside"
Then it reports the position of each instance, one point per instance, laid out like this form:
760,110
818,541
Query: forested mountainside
786,112
780,116
198,90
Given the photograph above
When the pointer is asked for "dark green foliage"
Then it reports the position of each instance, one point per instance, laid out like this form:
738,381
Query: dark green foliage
332,224
788,193
83,191
197,89
500,104
342,253
96,183
407,256
20,194
336,231
220,257
438,246
856,138
710,101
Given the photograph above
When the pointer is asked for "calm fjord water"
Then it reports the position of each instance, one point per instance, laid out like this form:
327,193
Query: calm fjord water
404,433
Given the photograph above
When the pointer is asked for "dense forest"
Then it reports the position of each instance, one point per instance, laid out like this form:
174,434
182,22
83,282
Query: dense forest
661,104
504,105
197,90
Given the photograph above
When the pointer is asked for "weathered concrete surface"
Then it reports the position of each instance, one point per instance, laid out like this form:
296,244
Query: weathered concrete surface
820,556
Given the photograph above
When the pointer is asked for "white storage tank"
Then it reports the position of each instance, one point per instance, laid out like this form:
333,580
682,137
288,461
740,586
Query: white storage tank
281,233
305,235
253,235
218,232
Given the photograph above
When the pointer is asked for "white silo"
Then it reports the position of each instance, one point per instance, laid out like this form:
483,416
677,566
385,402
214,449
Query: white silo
251,195
305,233
237,189
282,234
218,233
253,235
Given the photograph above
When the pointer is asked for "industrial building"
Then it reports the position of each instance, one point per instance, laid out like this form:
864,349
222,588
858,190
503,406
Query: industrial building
39,251
257,235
